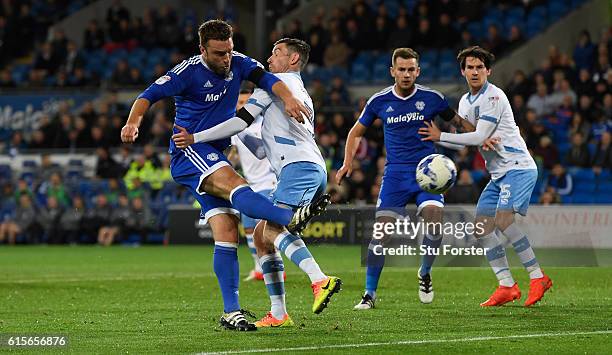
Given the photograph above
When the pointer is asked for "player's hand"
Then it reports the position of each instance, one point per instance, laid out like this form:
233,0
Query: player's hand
489,143
296,109
183,139
345,170
431,132
129,133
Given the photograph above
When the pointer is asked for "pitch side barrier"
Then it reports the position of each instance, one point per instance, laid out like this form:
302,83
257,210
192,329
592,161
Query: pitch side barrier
570,235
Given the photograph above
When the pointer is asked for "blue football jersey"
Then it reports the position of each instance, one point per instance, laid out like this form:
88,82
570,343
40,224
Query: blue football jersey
203,98
402,117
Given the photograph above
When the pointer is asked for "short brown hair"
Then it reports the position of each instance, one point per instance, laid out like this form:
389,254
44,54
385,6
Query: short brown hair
477,52
406,53
214,29
297,46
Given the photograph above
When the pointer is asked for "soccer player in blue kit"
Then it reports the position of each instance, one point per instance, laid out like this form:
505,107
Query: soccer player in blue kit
403,108
206,89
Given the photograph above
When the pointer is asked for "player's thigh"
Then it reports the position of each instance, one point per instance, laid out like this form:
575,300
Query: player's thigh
515,188
487,202
209,205
429,206
216,175
299,183
484,225
224,227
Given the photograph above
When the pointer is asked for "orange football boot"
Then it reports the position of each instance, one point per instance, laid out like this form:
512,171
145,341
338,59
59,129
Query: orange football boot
537,288
503,295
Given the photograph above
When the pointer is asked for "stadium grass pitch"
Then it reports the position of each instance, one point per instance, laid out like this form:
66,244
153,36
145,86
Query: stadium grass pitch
166,300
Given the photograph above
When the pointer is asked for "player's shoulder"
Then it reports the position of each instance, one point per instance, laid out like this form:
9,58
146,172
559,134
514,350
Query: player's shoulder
427,91
187,64
380,95
243,58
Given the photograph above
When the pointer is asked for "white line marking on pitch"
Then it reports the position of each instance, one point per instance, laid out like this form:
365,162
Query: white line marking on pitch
409,342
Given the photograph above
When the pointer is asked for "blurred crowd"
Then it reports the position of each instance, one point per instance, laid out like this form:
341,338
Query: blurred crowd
126,200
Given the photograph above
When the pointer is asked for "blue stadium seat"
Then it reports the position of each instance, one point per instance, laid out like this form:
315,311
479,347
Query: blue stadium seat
603,198
475,29
582,198
567,199
517,12
5,172
586,175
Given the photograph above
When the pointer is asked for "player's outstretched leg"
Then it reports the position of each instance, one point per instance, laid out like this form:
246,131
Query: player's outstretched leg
323,286
245,200
507,290
540,283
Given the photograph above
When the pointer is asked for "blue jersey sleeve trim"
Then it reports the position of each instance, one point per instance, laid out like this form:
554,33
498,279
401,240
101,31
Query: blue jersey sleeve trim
512,149
488,118
283,140
254,102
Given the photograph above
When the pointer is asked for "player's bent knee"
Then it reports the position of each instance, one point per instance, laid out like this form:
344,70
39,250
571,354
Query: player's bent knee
224,228
484,225
432,213
503,219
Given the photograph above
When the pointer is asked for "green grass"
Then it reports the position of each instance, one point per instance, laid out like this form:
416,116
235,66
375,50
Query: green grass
166,300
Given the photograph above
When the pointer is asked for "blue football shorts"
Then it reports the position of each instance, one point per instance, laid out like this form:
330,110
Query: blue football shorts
190,166
510,192
399,187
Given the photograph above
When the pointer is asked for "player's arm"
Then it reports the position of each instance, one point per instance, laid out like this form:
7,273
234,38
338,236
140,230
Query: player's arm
171,84
129,132
258,102
225,129
449,115
350,149
273,85
484,129
450,145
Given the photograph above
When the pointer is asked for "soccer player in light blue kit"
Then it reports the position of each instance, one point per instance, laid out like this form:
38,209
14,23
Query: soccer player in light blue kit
403,108
513,176
295,157
206,88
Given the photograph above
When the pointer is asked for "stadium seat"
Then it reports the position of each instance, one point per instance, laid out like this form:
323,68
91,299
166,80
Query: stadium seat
582,198
583,174
5,172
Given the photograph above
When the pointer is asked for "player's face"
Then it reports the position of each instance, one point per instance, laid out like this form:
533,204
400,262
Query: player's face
405,71
280,60
218,55
475,72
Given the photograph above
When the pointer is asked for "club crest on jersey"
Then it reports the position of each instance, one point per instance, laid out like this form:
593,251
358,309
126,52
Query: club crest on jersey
229,76
493,100
420,105
163,79
212,157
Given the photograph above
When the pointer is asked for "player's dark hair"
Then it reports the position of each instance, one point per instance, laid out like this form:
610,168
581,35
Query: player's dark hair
406,53
297,46
214,29
477,52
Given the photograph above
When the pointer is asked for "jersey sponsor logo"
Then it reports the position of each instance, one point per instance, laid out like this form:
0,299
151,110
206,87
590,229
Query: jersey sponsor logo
212,157
163,79
214,97
420,105
208,84
389,109
412,116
